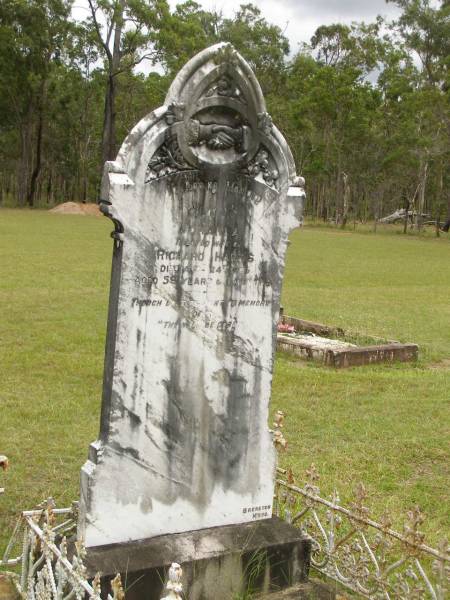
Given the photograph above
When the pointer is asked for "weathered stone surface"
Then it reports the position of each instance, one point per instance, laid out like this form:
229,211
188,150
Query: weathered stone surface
367,355
312,327
346,355
203,195
217,563
311,347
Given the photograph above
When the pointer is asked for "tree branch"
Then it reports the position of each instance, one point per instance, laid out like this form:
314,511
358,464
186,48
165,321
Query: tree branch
98,30
134,63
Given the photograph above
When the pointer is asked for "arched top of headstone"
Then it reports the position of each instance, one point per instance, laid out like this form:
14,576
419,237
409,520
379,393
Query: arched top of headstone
214,117
215,62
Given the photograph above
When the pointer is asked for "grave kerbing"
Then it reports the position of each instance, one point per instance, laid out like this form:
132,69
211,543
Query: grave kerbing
203,195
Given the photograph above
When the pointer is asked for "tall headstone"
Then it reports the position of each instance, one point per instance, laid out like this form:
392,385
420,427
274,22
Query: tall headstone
203,195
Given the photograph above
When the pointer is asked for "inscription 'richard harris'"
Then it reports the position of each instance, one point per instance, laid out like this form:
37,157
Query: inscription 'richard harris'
205,266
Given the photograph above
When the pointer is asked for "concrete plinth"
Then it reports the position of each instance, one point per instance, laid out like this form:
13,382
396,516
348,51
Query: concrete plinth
368,355
217,562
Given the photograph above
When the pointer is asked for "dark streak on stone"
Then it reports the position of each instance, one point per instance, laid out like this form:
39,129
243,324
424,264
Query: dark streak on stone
135,420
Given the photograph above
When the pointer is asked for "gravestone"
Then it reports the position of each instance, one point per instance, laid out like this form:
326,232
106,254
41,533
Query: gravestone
203,195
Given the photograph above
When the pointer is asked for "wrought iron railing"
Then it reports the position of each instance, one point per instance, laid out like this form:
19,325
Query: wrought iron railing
38,546
365,556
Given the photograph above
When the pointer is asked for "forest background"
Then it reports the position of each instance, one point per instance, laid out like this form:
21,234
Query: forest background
365,108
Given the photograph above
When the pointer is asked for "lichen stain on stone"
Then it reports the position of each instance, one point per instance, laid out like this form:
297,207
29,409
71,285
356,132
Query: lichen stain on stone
134,419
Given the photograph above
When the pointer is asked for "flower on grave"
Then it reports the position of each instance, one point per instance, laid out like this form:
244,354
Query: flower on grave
285,328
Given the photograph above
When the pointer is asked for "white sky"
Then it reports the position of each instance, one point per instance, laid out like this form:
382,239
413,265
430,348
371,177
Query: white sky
299,19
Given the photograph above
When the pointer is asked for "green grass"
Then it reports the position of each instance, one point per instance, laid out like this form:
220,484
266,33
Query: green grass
385,425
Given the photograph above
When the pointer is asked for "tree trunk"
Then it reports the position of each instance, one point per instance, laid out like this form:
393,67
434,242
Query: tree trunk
49,186
406,206
446,226
345,199
23,171
37,165
109,120
421,197
438,222
109,133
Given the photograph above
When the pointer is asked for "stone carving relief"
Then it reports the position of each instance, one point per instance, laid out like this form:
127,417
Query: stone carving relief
223,123
221,126
226,88
168,159
175,113
217,136
265,123
262,168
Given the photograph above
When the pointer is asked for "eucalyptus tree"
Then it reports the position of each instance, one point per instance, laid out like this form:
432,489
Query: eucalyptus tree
125,32
190,28
424,28
34,35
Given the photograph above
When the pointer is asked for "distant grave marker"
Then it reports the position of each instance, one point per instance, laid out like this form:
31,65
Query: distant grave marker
203,195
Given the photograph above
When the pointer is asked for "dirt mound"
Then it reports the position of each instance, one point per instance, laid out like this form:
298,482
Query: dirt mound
77,208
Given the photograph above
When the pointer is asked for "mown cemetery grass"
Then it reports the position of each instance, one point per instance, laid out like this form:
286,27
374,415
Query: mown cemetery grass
387,426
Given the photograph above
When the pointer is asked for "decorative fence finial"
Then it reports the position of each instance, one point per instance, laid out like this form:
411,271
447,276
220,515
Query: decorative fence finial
174,585
279,440
117,588
96,584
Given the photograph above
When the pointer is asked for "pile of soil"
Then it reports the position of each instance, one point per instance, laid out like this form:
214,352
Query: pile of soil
77,208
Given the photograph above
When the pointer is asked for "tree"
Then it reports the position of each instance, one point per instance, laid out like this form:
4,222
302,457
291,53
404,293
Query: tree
33,40
262,44
125,32
425,30
189,29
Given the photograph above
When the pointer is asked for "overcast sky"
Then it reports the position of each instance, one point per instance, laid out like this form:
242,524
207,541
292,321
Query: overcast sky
300,18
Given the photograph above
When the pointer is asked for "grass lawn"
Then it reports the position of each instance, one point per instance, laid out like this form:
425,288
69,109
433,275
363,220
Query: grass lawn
387,426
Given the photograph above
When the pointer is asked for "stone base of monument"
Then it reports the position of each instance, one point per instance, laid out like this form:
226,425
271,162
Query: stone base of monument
217,563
